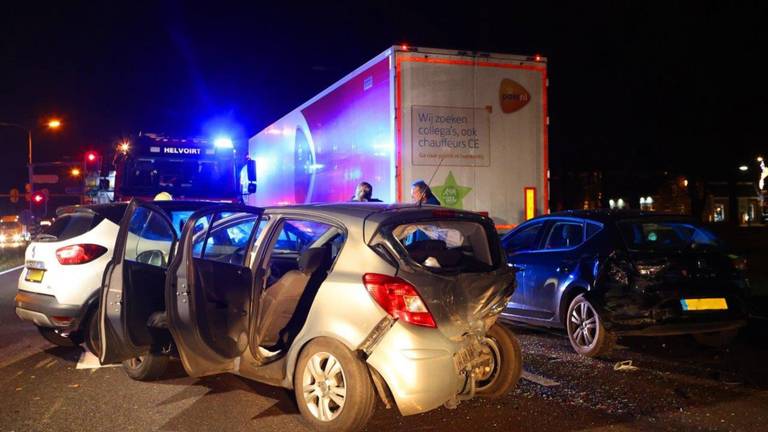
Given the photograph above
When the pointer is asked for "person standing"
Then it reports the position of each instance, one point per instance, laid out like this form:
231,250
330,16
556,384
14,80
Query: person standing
422,194
364,193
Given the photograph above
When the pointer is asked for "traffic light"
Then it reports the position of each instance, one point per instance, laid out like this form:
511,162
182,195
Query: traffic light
91,157
38,198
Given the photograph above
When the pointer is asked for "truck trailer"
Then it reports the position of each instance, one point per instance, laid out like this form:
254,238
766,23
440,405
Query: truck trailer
471,124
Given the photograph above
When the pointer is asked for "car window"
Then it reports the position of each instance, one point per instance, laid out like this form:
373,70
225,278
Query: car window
295,236
667,235
72,225
564,235
149,239
524,239
593,228
229,238
448,244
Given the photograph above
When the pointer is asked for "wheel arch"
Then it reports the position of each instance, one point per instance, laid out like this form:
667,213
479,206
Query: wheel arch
570,293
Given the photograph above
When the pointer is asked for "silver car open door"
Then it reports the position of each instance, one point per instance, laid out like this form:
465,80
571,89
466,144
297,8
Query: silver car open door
134,282
208,289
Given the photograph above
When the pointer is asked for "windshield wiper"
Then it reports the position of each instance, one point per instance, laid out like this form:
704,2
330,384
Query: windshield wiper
44,237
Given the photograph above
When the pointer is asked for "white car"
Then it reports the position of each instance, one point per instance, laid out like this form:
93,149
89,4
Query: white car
59,287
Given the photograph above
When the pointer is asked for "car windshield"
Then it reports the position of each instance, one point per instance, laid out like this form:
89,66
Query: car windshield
665,235
184,177
10,226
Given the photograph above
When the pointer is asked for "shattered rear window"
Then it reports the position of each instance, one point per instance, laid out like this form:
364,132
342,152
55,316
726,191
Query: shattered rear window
447,245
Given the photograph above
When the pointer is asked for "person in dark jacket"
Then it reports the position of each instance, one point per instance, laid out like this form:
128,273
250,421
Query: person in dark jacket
364,192
422,194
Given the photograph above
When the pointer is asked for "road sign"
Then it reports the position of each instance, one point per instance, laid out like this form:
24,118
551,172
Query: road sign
14,195
45,178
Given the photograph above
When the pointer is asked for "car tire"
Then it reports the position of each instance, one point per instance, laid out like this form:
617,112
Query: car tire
147,367
318,389
508,363
586,332
91,333
54,337
719,339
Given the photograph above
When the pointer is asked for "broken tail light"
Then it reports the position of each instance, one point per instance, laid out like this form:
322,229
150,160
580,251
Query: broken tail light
79,254
399,299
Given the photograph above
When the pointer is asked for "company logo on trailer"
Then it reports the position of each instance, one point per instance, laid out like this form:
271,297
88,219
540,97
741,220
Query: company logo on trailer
512,96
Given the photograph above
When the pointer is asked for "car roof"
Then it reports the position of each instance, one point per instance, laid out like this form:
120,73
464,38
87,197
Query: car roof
611,215
370,215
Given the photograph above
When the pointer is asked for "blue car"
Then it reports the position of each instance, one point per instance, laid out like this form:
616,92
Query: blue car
603,274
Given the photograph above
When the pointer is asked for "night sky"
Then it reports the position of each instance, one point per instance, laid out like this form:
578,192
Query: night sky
680,87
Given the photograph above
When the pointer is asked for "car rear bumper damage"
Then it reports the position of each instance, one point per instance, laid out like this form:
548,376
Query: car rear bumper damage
423,373
45,311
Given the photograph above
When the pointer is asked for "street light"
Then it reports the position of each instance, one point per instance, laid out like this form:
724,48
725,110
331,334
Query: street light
52,124
75,172
743,168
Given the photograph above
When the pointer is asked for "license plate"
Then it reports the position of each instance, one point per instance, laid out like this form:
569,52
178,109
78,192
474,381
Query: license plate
704,304
464,357
34,275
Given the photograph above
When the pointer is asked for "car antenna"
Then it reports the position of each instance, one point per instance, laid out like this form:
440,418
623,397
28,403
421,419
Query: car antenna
433,175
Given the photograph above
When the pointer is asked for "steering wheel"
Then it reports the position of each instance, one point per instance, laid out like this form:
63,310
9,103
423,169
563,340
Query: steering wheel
152,257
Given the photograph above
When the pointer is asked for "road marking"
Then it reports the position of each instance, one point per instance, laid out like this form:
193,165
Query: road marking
89,361
538,379
11,270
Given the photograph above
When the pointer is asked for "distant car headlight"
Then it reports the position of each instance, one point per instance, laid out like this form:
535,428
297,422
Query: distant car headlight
2,238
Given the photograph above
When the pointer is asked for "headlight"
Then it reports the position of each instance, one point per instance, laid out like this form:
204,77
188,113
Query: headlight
2,238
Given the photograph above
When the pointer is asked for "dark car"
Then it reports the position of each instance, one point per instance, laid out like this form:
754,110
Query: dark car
602,274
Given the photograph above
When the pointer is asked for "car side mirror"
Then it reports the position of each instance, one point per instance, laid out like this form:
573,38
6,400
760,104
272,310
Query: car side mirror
251,188
250,166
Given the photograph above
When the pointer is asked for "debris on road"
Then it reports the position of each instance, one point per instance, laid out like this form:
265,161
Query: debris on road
625,366
538,379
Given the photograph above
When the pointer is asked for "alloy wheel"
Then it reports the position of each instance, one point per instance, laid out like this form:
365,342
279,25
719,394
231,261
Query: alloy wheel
324,386
582,325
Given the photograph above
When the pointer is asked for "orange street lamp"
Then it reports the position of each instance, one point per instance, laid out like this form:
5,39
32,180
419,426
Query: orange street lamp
52,124
75,172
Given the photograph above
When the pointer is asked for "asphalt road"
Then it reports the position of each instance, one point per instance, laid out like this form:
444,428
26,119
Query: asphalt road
677,386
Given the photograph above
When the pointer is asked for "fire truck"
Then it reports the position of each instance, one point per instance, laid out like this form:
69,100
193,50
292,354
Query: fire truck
185,168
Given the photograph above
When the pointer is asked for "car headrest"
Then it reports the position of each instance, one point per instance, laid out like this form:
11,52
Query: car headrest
312,258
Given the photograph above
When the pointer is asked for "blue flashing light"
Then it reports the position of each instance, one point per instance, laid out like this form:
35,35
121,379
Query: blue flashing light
223,142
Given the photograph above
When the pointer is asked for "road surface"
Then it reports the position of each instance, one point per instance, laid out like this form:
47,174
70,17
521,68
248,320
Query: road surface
676,386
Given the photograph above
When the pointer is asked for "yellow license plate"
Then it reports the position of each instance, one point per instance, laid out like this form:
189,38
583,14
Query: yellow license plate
704,304
34,275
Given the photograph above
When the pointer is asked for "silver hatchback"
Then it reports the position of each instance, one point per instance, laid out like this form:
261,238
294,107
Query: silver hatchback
342,303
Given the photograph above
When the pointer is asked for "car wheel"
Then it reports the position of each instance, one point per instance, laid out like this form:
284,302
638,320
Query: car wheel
53,336
505,365
333,387
586,331
147,367
716,339
92,333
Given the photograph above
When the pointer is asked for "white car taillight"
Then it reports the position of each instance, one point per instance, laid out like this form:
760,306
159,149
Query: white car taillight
399,299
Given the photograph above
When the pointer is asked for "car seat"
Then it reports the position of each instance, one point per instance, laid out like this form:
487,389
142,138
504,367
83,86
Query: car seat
281,298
